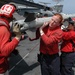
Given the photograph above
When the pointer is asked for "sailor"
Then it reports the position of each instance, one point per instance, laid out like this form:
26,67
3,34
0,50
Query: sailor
6,45
68,49
50,34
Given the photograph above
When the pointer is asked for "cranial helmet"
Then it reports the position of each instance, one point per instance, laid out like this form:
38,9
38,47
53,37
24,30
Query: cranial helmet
7,10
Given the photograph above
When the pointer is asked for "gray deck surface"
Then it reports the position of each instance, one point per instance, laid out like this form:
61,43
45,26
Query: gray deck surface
26,62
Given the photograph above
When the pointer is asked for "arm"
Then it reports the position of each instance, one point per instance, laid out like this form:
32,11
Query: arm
39,31
48,40
6,46
68,35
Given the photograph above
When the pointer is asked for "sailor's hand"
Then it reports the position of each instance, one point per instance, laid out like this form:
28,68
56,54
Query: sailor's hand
41,28
16,30
44,25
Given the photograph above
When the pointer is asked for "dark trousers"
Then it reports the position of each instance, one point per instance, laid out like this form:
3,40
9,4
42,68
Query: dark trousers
67,62
50,64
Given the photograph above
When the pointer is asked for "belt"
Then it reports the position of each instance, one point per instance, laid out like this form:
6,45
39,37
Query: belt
48,55
68,52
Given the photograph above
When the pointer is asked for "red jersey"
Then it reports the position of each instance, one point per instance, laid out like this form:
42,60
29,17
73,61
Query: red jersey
66,44
49,40
6,46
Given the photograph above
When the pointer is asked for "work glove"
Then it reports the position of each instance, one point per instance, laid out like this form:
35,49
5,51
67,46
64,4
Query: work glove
16,30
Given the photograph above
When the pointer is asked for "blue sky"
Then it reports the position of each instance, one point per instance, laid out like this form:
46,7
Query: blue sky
68,8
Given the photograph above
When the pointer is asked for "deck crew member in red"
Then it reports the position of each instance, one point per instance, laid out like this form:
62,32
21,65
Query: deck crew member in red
50,35
7,46
68,49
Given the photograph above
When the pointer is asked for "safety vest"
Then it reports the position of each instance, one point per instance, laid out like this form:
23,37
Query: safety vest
3,23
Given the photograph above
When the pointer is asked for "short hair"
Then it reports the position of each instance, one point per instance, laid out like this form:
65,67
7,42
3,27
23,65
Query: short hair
60,17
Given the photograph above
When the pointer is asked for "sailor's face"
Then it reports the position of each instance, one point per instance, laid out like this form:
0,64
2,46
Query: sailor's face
54,22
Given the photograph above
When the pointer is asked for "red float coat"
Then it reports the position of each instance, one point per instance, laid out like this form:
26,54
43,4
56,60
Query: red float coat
49,40
67,45
6,46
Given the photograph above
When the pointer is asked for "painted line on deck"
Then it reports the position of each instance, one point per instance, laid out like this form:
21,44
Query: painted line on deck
23,57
